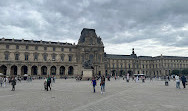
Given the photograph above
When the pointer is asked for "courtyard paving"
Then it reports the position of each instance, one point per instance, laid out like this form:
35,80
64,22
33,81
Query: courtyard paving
72,95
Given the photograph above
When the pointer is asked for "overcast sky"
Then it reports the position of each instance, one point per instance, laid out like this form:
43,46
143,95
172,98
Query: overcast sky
152,27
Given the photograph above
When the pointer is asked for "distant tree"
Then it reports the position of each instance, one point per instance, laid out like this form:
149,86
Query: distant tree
185,71
175,72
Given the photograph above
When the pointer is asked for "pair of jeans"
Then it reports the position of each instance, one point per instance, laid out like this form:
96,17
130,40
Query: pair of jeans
103,87
184,85
178,85
94,88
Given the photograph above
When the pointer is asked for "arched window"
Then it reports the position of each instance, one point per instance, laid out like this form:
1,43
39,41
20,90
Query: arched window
53,70
70,70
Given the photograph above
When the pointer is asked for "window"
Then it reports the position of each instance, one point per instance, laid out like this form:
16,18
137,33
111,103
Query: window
45,57
7,46
53,48
17,46
26,57
36,47
6,56
70,49
53,57
35,56
70,58
62,49
16,56
45,48
26,47
62,57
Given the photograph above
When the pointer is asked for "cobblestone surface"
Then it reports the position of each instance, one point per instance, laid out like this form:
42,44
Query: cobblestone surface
71,95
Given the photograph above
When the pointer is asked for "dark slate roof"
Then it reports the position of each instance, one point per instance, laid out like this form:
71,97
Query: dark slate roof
114,56
34,41
172,57
145,57
118,56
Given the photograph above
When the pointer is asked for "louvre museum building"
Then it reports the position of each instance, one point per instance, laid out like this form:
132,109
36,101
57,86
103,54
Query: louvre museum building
41,58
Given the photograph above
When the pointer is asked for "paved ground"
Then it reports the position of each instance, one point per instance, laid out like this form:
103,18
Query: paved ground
71,95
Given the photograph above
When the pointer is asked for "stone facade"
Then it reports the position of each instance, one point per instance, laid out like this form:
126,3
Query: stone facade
151,66
41,58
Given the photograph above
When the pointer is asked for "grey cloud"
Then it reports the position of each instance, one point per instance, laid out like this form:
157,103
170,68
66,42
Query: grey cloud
116,21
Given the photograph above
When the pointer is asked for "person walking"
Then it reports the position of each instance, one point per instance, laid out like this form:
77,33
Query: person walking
48,82
13,83
128,77
94,82
53,79
177,81
45,84
183,79
102,84
4,82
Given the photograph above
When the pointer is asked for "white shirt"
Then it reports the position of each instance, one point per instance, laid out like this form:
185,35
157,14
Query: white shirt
177,78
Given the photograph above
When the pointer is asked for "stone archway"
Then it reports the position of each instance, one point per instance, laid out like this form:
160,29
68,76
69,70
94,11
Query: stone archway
43,70
70,70
53,70
3,69
24,70
62,70
34,70
14,70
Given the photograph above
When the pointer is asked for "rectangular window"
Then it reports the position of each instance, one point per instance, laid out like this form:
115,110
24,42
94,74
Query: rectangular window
62,57
17,46
17,57
62,49
35,57
36,47
7,46
70,58
6,56
53,57
45,48
53,48
26,57
70,49
45,57
26,47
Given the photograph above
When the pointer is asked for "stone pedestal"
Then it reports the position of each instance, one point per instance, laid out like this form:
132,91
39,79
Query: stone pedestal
87,74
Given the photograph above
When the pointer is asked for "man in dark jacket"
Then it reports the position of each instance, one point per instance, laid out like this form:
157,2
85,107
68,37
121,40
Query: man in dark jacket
183,79
48,82
13,82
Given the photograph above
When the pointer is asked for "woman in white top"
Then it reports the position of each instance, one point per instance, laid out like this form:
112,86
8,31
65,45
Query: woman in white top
177,81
